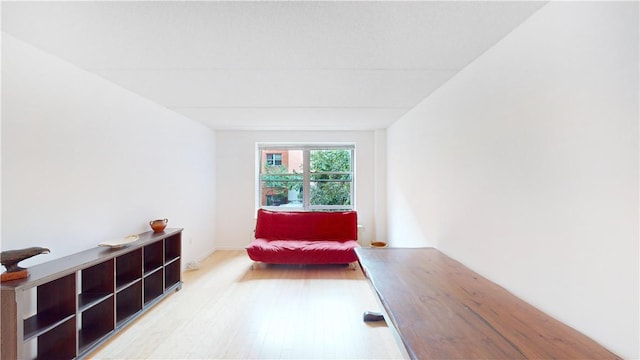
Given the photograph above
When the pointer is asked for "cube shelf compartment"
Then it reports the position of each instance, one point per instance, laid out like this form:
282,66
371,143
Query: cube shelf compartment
128,269
153,257
69,306
172,274
96,323
96,284
153,287
128,302
55,304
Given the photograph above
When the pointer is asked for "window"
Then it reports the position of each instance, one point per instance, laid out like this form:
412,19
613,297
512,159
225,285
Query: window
306,177
274,159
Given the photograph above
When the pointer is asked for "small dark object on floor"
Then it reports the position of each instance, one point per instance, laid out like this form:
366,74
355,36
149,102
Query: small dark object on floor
372,316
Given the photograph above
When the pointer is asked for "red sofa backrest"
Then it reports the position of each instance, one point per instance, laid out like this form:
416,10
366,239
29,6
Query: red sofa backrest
313,225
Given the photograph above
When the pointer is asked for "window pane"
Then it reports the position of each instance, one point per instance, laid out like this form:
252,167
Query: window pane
281,178
329,160
327,192
290,160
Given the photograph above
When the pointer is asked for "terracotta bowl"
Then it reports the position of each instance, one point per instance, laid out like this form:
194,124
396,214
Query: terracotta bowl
158,225
378,244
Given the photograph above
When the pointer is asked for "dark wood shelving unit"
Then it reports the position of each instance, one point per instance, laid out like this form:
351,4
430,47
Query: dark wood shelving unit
69,306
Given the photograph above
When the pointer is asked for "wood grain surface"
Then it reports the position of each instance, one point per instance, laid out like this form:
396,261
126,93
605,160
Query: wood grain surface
443,310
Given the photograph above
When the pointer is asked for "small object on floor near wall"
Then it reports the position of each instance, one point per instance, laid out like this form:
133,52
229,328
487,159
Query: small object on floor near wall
369,316
10,259
378,244
193,265
158,225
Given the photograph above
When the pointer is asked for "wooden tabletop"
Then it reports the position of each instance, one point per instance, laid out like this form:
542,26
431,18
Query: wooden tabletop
443,310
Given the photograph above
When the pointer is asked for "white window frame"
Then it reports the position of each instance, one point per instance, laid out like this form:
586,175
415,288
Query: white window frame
305,148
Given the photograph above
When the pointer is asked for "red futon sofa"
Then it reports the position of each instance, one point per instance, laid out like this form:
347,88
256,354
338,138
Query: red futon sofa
295,237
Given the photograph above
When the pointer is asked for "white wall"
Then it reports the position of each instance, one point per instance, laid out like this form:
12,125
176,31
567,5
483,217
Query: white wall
236,188
380,182
524,167
84,161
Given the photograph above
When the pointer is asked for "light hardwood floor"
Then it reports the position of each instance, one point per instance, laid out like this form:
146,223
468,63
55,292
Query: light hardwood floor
225,310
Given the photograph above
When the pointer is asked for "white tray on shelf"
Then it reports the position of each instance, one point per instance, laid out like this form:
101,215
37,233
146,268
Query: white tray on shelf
116,243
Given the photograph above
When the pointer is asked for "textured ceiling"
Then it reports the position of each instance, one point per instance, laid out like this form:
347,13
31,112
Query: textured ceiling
271,65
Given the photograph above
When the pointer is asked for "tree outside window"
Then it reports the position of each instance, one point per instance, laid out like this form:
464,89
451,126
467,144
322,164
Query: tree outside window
330,178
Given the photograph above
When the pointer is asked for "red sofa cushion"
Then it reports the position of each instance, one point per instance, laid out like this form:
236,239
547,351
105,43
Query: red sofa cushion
298,225
302,251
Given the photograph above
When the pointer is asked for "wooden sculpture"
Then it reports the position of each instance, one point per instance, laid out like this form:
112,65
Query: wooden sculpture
10,259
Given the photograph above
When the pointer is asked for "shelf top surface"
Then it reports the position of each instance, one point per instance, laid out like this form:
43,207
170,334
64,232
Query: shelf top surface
56,268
